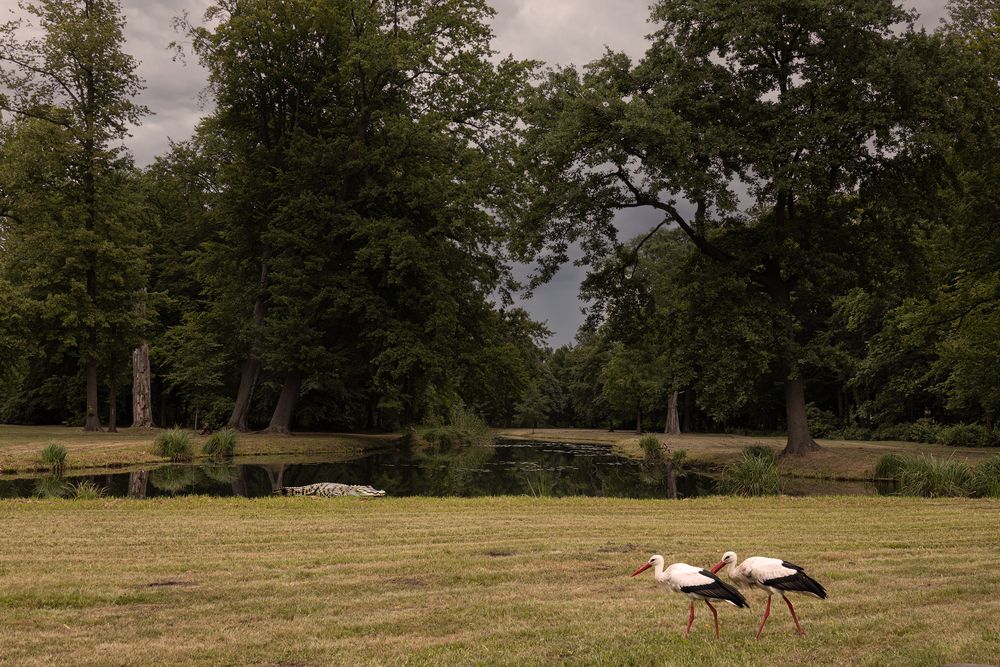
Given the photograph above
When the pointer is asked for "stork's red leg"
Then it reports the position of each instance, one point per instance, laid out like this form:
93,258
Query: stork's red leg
690,620
716,615
794,618
767,612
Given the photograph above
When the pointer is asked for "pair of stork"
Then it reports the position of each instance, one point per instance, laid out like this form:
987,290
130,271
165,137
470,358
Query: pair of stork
769,574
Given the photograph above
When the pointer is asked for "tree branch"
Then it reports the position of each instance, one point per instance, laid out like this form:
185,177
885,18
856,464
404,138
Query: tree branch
703,244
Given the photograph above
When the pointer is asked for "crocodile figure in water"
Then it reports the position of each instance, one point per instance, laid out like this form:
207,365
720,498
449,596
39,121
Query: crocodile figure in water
331,489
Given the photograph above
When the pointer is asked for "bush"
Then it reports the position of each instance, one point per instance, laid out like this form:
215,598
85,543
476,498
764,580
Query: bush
761,451
464,427
930,477
822,423
174,444
752,475
892,432
85,490
651,445
889,466
965,435
924,430
986,478
220,444
51,487
54,456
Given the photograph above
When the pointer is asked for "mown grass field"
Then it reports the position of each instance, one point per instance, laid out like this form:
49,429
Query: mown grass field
303,581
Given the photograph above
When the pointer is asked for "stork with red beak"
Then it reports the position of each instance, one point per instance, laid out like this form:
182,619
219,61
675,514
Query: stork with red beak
696,583
774,576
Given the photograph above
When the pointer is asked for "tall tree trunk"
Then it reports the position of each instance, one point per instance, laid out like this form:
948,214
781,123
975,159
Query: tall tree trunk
251,367
137,482
142,402
112,405
281,419
638,417
673,426
799,441
93,422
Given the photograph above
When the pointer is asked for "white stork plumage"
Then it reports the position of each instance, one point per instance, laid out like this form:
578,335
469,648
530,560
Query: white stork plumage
696,583
774,576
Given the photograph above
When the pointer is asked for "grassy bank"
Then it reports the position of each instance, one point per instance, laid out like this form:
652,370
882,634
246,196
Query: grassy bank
839,459
283,581
21,446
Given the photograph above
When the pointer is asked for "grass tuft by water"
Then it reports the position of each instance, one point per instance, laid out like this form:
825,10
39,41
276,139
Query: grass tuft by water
54,456
755,474
221,444
985,481
85,490
174,444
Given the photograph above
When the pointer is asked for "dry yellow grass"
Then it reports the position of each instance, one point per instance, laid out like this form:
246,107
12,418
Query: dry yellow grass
839,459
302,581
20,446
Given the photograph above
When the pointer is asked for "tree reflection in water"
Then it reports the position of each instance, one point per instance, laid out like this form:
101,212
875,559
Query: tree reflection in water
506,468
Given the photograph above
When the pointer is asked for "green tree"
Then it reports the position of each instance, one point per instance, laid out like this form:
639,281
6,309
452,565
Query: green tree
632,383
74,87
752,128
366,142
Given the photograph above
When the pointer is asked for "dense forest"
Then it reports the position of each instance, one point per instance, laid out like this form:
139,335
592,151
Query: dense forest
334,247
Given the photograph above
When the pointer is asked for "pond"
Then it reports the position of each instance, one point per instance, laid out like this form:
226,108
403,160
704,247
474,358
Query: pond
509,467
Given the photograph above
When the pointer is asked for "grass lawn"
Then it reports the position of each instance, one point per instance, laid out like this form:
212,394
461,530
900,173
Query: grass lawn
839,459
304,581
20,446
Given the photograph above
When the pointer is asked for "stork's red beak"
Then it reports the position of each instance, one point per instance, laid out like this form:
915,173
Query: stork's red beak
643,568
717,566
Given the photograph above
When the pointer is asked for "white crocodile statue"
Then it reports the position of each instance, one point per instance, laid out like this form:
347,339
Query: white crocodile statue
330,490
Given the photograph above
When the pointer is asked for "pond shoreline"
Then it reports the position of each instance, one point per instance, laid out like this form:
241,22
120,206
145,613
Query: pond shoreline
93,453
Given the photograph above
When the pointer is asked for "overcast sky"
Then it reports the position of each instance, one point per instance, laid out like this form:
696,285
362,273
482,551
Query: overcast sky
554,31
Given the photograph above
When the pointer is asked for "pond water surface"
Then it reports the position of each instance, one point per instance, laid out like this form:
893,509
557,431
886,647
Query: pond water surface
509,467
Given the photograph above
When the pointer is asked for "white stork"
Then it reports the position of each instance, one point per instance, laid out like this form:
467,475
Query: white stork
695,582
774,576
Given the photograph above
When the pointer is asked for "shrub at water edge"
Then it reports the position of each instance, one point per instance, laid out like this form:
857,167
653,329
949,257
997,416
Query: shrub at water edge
220,444
927,476
463,427
753,475
761,451
174,444
51,487
54,456
986,478
85,490
889,466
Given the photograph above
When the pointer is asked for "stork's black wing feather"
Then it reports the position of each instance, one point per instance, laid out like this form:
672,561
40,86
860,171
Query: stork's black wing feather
716,589
799,582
